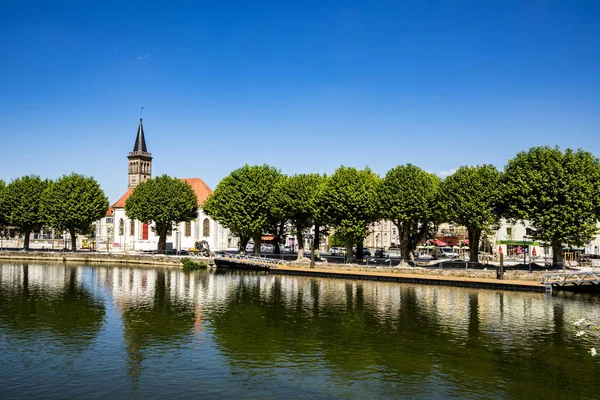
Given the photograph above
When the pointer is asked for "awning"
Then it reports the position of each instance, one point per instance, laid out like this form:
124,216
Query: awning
267,238
439,243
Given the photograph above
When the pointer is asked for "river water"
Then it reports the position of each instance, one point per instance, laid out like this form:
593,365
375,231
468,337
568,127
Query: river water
90,332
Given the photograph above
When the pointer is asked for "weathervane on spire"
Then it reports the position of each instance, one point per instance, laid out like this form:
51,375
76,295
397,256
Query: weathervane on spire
141,112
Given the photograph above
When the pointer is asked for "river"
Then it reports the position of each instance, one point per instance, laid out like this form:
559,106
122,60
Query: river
97,332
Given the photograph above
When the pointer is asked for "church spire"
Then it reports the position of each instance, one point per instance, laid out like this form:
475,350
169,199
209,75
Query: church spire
140,161
140,141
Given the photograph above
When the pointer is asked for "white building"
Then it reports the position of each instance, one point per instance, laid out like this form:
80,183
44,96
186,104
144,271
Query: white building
117,232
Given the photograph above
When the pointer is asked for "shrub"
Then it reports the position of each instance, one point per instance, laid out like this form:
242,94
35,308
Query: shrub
191,265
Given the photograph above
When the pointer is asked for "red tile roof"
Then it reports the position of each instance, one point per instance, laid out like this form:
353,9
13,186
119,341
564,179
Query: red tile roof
110,211
121,202
198,186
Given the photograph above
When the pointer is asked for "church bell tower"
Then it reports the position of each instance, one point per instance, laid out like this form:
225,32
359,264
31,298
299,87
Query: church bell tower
140,161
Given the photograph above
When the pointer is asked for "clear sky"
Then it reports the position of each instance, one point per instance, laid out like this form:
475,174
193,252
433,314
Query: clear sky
304,86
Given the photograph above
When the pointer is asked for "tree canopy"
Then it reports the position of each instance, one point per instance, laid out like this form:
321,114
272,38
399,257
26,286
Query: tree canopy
408,196
293,198
3,210
165,201
72,203
558,193
470,198
348,202
241,201
22,201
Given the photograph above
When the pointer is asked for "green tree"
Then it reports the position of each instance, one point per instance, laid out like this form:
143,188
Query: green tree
558,193
470,198
241,202
292,198
3,210
22,199
348,202
409,197
72,203
165,201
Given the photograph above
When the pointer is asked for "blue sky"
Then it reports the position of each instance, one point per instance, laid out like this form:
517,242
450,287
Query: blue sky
303,86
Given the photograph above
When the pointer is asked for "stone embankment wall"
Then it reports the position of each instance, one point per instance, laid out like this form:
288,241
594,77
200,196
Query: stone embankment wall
91,257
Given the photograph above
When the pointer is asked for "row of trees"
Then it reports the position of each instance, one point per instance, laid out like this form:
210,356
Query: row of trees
74,202
71,203
557,192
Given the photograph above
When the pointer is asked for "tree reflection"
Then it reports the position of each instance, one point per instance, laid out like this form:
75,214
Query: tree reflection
419,338
65,311
159,326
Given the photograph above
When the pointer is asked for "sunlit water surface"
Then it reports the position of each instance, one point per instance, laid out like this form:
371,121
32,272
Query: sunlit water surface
121,332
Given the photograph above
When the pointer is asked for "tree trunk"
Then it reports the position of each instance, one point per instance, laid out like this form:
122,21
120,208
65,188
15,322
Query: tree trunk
257,240
26,240
558,260
359,250
243,243
73,239
474,237
300,238
278,234
317,239
348,252
405,246
162,239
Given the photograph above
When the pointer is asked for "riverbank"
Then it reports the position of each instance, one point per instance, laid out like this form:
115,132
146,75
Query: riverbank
91,257
477,278
482,279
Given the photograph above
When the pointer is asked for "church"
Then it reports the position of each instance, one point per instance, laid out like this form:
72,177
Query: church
123,234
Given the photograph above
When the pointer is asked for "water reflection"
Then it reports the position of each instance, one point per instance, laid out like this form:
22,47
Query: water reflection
49,303
251,334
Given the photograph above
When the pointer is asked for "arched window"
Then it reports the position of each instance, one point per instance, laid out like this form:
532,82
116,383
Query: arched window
121,227
131,227
206,227
188,229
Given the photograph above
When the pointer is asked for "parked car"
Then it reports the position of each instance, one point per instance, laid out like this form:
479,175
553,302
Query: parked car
380,253
444,253
266,247
366,252
337,251
250,246
286,249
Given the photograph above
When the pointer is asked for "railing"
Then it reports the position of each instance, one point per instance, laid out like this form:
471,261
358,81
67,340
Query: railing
571,278
250,260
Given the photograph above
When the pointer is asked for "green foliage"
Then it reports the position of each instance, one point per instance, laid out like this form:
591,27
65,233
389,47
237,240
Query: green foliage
163,200
558,193
22,199
241,201
348,202
409,197
335,240
3,209
293,198
470,197
72,203
191,265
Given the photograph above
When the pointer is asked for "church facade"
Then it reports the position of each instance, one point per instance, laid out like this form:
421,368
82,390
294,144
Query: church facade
124,234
